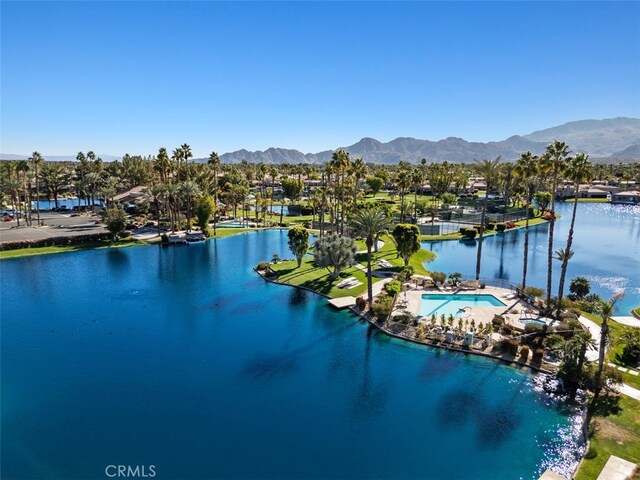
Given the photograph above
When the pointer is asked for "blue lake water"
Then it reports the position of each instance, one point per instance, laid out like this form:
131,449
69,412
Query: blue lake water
62,202
183,358
606,244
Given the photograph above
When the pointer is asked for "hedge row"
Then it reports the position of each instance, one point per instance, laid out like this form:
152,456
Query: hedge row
55,241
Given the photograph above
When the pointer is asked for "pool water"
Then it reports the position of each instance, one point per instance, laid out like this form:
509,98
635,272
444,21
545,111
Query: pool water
185,359
450,304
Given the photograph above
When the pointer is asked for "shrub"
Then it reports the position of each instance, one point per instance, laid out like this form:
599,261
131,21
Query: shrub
532,328
463,230
164,238
361,303
438,277
509,346
491,225
470,232
536,356
393,288
382,305
497,320
524,353
405,274
534,291
262,266
500,227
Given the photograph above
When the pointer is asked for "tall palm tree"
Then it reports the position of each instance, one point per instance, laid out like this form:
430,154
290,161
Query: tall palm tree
22,167
370,223
341,163
489,169
403,183
359,171
606,312
214,162
177,156
188,190
554,161
417,177
186,155
579,170
163,164
564,256
37,161
527,169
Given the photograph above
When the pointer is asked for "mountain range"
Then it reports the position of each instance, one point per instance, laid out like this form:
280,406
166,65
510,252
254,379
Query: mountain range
616,139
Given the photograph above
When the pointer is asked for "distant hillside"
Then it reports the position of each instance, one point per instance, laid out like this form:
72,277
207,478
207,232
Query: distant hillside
613,139
632,152
599,138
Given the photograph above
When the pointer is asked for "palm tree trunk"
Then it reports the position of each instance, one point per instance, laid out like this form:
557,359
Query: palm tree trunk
552,223
482,217
526,246
37,196
565,260
369,243
604,334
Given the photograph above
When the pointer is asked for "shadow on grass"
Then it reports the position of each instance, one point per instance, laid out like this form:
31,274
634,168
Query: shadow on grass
605,405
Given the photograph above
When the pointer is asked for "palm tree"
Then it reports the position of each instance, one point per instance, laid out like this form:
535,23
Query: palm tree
370,223
341,162
37,160
22,167
417,177
163,164
553,161
527,169
564,256
177,157
188,191
186,155
488,169
606,312
214,161
579,170
358,170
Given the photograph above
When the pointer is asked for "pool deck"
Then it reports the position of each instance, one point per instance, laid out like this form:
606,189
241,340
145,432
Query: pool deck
513,311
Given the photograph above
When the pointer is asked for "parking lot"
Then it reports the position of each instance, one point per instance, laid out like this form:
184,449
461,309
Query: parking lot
55,225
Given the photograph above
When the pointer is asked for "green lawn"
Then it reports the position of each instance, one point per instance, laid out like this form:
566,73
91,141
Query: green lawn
24,252
318,279
636,311
588,200
615,431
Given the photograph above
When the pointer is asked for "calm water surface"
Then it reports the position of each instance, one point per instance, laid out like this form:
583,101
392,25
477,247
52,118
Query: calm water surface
184,359
606,244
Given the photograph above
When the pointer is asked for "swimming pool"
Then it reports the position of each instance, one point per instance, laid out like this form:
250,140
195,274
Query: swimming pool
450,304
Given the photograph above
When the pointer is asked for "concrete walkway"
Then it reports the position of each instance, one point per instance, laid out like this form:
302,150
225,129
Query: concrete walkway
594,330
627,320
629,391
617,469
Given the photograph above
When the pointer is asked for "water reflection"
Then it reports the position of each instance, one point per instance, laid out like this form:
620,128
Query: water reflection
606,245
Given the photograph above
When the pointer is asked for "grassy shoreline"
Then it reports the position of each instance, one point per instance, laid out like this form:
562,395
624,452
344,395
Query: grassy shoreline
317,279
104,244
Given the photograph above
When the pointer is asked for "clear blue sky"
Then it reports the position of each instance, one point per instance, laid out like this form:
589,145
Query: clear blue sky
118,77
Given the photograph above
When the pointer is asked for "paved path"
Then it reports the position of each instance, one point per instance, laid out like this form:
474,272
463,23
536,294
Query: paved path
629,391
627,320
594,330
617,469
